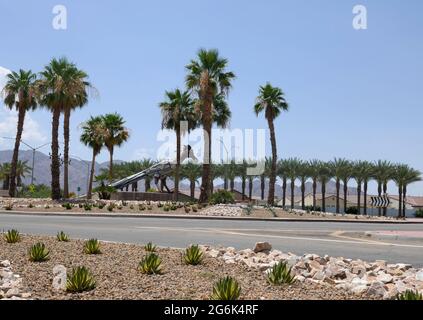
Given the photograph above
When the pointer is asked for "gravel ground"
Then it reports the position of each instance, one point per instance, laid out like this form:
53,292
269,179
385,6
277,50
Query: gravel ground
117,276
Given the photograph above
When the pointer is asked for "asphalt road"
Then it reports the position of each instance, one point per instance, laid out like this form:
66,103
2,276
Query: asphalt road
332,238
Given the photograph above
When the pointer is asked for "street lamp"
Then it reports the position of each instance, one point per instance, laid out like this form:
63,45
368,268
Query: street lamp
33,154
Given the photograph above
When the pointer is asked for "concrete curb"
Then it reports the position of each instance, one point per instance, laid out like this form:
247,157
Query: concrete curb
199,217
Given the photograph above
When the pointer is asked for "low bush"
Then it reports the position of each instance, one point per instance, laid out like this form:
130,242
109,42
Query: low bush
38,253
249,209
311,208
193,255
187,209
62,237
101,205
150,264
222,197
419,213
80,280
352,210
141,207
67,206
410,295
12,236
87,207
92,246
150,247
226,289
280,274
111,207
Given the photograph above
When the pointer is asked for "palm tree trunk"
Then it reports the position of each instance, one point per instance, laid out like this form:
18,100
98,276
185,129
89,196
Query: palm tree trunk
323,196
385,191
55,161
205,179
365,199
262,186
338,187
292,193
6,182
314,194
178,163
111,150
66,153
250,188
404,198
232,185
399,202
90,185
359,197
272,181
192,188
14,164
243,188
303,194
345,195
225,183
284,192
379,192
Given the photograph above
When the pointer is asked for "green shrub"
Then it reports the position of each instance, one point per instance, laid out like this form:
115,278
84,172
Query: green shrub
30,206
194,209
124,203
173,207
166,208
311,208
222,196
187,209
38,253
141,207
111,207
150,264
92,246
131,207
280,274
226,289
104,192
67,206
410,295
193,255
352,210
271,209
80,280
87,207
159,204
12,236
101,205
419,213
149,207
151,190
150,247
62,237
249,209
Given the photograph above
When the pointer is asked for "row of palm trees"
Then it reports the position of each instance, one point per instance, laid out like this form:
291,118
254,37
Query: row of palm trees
22,169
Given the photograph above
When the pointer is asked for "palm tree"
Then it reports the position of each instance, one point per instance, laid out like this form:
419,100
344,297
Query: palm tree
384,171
282,173
346,175
403,176
325,174
93,136
242,173
362,172
266,164
208,78
314,171
20,94
115,135
22,169
272,102
303,174
292,171
192,172
232,172
177,107
76,96
340,169
5,169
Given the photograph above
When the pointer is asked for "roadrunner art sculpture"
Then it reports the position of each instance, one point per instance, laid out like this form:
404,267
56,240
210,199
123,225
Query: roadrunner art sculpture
159,172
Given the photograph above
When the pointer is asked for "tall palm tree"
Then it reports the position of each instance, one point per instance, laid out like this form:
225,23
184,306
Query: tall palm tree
242,173
340,168
303,174
292,172
325,174
272,102
177,107
346,175
314,172
412,176
403,176
362,172
192,172
76,97
115,135
208,78
93,132
19,94
282,173
384,171
232,172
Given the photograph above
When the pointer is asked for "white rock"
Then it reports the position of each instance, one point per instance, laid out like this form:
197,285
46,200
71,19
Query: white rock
384,278
262,246
59,280
5,263
13,292
419,276
359,289
376,289
214,253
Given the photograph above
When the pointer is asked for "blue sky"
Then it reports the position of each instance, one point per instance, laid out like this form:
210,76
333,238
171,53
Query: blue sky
354,94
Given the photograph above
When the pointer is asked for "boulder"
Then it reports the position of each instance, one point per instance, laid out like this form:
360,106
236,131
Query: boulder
214,253
5,263
384,278
377,289
13,292
59,280
419,275
262,247
360,289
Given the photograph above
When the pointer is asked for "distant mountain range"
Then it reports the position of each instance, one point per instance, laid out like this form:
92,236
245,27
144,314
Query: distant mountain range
79,170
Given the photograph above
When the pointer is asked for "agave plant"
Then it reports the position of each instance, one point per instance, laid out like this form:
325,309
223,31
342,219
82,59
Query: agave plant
226,288
150,264
150,247
280,274
12,236
193,255
80,280
38,253
92,246
410,295
62,237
